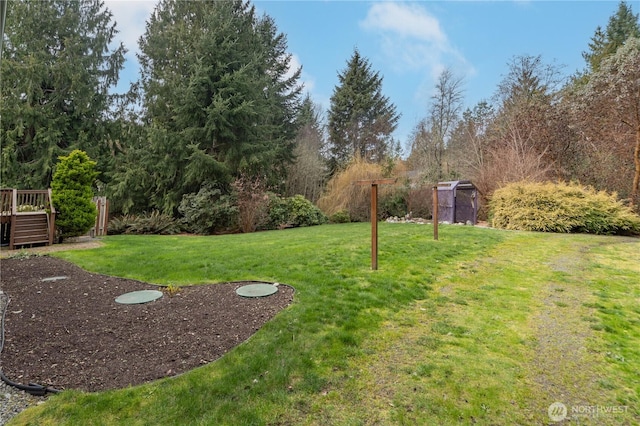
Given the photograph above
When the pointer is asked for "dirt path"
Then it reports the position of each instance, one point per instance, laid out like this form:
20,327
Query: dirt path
79,243
562,369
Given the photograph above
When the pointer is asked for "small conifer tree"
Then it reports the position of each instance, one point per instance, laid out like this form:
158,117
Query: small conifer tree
72,194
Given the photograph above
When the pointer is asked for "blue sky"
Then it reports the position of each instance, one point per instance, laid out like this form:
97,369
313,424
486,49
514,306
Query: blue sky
409,43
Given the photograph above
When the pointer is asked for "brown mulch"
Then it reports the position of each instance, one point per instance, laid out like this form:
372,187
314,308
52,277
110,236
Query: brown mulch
71,334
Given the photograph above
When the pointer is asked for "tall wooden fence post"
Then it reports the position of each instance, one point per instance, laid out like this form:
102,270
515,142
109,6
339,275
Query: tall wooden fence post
435,213
374,226
374,216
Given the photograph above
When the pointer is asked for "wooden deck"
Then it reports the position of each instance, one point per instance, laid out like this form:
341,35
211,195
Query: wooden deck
27,217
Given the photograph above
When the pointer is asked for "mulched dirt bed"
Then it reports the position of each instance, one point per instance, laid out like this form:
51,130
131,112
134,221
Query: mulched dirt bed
71,334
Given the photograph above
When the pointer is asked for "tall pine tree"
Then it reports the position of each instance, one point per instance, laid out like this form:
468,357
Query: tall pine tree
57,69
622,25
219,101
361,119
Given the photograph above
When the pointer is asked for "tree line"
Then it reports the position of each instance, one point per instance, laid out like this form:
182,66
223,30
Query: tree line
540,126
217,104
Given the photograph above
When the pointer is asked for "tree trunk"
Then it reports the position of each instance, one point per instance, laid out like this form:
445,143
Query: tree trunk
636,178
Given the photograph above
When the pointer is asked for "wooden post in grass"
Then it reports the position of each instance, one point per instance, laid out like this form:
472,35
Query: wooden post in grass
434,215
374,216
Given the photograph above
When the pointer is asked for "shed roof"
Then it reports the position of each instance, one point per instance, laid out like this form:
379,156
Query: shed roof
455,184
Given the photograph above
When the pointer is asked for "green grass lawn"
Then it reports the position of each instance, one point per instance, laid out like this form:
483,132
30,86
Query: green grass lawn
480,327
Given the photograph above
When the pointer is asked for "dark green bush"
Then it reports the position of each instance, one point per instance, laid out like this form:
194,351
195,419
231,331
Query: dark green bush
340,217
293,212
561,207
72,194
393,203
278,213
148,223
209,211
303,212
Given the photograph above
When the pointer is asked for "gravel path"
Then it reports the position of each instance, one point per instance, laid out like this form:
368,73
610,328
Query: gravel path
13,401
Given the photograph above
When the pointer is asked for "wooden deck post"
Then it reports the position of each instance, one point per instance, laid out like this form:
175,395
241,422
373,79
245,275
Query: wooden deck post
52,218
14,213
374,216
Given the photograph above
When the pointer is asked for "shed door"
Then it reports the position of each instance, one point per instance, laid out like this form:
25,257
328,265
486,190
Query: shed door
446,205
465,206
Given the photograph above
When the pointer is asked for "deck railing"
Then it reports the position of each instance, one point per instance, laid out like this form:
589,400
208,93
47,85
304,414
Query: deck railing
25,200
6,202
17,202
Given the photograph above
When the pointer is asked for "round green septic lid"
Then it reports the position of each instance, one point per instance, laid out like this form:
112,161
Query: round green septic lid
256,290
141,296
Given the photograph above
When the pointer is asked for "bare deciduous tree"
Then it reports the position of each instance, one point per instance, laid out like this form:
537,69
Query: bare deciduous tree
468,147
432,134
307,175
517,142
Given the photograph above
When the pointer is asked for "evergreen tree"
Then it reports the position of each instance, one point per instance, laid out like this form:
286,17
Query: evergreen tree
621,26
57,69
361,119
528,81
310,116
218,99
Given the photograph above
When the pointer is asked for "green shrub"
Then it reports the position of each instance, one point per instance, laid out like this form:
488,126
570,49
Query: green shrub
393,203
341,216
303,212
561,207
155,223
148,223
120,224
72,194
278,216
209,211
293,212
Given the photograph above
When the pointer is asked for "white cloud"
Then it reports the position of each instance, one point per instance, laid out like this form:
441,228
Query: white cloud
405,20
131,18
412,40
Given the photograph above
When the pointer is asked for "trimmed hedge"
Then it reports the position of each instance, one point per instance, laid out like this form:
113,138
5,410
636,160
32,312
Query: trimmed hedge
561,207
